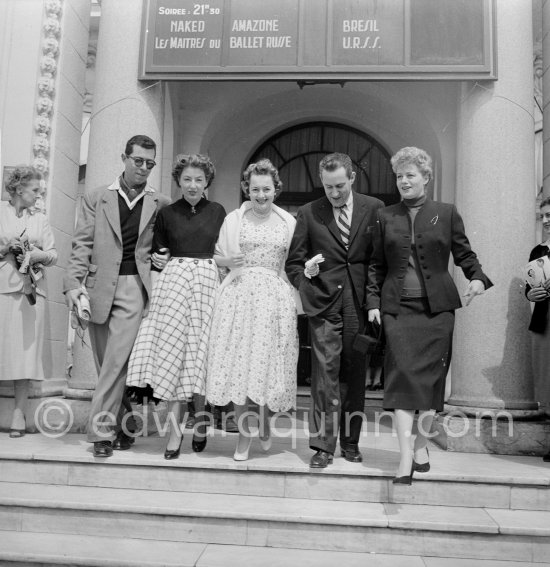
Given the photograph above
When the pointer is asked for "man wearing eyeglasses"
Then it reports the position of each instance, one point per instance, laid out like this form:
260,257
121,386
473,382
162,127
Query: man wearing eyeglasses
110,263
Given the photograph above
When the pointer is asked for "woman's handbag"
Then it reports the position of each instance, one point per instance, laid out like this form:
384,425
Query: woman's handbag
371,341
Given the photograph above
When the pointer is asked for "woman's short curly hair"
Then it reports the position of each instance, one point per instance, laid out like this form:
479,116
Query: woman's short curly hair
199,161
21,176
415,156
261,167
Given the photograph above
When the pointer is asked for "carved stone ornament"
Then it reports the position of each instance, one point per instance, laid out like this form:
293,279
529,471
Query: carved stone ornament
51,29
42,124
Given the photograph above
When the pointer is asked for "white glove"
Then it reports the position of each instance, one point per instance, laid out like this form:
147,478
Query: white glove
312,266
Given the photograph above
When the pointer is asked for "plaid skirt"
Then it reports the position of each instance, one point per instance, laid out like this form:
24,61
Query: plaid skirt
170,350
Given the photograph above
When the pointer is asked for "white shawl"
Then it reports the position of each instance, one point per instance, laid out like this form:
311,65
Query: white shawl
228,243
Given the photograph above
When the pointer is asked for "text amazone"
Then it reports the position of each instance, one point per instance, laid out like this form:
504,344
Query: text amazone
255,25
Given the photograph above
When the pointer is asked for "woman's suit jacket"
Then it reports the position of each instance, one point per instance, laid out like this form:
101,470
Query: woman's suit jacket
316,232
438,232
97,247
539,318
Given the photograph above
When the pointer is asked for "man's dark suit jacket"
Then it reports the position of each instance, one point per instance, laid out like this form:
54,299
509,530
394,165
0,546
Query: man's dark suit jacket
438,232
317,233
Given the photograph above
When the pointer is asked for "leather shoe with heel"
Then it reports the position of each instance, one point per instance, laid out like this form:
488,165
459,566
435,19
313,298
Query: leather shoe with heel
424,467
123,441
404,479
170,454
321,459
103,449
353,455
242,455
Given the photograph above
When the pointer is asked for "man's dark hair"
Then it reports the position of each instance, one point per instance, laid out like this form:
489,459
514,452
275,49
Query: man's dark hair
142,141
332,162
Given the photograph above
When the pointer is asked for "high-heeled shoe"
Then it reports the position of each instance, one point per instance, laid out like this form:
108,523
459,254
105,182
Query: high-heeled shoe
424,467
404,479
198,446
266,444
242,456
170,454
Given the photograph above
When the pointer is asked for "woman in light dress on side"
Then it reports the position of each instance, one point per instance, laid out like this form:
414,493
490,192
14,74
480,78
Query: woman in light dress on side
25,235
253,349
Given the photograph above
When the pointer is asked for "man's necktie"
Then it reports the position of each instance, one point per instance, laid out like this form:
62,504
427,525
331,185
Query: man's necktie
343,224
132,194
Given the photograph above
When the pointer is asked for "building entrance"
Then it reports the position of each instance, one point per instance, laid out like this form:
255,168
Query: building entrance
297,151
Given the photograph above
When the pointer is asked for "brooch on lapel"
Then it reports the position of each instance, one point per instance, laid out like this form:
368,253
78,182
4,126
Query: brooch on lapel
434,220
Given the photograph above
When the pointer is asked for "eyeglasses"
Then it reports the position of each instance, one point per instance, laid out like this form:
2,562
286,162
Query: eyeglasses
138,162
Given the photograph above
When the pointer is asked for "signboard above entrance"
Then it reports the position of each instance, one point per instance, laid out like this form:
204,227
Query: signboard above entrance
318,40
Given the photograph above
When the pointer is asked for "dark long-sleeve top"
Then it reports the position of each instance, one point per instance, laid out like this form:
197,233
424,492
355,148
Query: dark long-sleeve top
539,318
438,233
188,233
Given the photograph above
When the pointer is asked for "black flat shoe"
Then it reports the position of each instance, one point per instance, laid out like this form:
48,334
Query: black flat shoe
546,457
198,446
424,467
321,460
102,449
352,455
171,454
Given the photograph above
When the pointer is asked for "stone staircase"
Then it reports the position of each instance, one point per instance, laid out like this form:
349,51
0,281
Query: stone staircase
60,506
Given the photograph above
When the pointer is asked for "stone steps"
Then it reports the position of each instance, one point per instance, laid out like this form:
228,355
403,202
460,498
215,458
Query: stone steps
342,481
360,527
468,507
78,551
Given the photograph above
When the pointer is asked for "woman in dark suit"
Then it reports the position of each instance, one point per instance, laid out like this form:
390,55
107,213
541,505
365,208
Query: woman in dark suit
539,327
408,281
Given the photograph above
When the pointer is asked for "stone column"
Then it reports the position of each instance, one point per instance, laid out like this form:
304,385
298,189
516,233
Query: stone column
41,119
122,107
494,193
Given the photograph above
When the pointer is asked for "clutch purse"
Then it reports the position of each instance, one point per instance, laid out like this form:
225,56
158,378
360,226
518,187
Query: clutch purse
371,341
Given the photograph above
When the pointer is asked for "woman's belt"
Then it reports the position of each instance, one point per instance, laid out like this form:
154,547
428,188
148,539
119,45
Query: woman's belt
261,270
197,255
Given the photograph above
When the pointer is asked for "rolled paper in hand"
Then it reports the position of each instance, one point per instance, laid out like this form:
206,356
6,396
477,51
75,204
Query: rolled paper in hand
83,309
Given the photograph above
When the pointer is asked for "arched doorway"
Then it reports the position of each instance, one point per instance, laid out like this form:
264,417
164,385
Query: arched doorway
297,151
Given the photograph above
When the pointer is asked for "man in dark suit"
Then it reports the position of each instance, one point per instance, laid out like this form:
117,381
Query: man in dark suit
337,230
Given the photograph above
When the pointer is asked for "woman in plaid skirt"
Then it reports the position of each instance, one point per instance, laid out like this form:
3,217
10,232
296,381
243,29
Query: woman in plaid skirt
170,351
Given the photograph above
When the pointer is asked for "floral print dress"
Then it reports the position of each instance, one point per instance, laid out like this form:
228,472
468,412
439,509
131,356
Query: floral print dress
253,348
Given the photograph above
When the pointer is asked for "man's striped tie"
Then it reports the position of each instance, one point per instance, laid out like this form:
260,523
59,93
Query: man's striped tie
343,224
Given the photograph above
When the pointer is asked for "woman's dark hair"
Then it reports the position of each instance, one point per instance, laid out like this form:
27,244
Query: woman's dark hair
200,161
20,176
544,202
261,167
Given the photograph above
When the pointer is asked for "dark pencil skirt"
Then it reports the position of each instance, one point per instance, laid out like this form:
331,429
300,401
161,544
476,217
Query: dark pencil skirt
418,356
